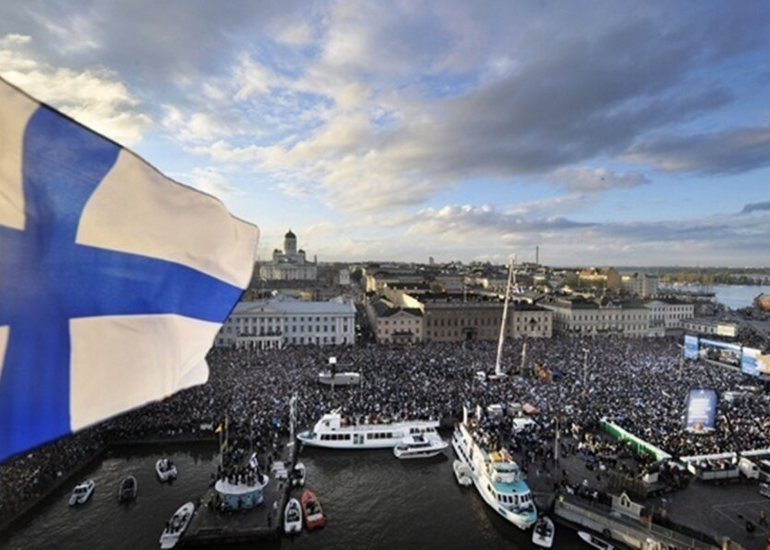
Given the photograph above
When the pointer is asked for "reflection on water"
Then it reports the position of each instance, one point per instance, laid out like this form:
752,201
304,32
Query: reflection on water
372,500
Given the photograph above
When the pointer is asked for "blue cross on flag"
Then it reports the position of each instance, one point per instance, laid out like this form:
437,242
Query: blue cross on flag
114,279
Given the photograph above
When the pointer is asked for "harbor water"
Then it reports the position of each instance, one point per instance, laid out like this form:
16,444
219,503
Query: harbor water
372,500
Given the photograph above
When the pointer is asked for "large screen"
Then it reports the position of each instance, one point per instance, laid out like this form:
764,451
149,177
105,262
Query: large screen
701,411
723,352
690,347
754,363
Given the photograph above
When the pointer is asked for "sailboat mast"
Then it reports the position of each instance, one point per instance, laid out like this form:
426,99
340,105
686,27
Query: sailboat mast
498,369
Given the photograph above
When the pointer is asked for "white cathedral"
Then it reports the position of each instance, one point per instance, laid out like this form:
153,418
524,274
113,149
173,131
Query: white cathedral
289,265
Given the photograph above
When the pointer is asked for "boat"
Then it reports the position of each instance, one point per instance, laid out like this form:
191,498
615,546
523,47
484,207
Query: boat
463,474
543,533
292,517
127,489
298,475
339,378
176,526
312,511
335,432
496,476
82,492
595,541
165,469
420,446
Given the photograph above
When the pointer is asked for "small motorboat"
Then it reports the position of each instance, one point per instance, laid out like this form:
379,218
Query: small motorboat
595,541
312,511
165,469
543,532
298,475
463,474
82,492
127,489
292,517
420,446
176,526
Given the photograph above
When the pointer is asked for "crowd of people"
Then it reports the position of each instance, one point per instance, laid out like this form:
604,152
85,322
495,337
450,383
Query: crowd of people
640,384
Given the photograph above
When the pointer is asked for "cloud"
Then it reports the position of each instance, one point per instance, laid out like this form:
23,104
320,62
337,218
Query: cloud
593,180
209,179
96,97
756,207
730,151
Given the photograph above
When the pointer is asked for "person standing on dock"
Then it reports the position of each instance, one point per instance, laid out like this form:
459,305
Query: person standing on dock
763,517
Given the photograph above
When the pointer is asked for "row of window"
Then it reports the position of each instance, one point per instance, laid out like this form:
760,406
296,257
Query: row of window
509,499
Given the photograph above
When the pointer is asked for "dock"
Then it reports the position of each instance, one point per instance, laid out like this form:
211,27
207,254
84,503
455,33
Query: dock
211,527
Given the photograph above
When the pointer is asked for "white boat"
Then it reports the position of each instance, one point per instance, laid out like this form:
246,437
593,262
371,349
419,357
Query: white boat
335,432
165,469
420,446
340,378
497,478
463,473
298,475
595,541
82,492
176,526
292,517
543,532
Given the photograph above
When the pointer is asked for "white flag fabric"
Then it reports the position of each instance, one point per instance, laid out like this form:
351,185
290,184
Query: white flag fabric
114,280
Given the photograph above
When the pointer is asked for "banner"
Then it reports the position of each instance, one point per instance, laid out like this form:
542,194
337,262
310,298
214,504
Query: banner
701,411
754,363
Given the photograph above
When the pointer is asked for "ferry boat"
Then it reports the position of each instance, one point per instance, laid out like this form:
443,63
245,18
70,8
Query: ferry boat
335,432
497,478
82,492
176,527
292,517
419,446
165,469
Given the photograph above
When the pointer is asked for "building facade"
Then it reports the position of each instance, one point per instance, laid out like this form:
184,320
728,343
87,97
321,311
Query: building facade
669,313
641,284
591,318
289,265
395,323
281,321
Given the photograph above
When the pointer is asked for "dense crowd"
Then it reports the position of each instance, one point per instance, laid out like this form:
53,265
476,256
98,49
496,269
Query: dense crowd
641,384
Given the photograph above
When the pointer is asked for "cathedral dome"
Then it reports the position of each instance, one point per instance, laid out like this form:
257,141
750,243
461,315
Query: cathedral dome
290,235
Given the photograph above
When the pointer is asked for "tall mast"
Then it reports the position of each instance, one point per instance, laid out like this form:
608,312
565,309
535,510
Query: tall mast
498,369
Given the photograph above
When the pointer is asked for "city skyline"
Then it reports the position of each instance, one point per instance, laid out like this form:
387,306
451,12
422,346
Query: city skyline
634,135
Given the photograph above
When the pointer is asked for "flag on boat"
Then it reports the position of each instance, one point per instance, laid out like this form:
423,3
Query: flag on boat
253,462
114,280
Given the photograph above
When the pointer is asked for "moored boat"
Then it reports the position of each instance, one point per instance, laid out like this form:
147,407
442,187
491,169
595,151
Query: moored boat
335,432
463,473
292,517
165,469
175,528
420,446
82,492
543,532
298,475
312,511
595,541
497,478
127,489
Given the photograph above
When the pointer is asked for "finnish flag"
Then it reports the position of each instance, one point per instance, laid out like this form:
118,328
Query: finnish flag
114,280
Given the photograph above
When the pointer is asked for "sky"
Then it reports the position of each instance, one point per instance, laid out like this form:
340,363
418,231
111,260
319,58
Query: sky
608,133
